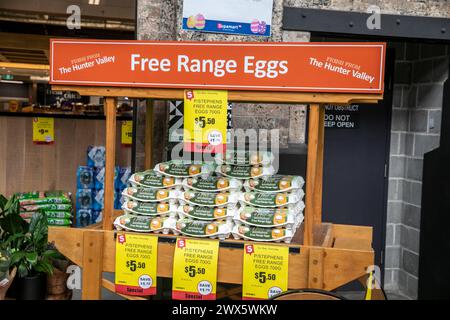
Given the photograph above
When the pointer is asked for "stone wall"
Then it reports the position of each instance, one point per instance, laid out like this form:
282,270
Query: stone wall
421,71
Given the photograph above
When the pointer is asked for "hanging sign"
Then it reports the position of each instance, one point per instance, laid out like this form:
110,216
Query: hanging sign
307,67
136,262
205,120
247,17
127,132
195,269
43,130
265,271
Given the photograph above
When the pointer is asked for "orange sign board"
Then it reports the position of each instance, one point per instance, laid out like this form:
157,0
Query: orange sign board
305,67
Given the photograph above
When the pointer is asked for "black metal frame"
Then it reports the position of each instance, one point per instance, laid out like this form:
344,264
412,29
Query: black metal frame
355,23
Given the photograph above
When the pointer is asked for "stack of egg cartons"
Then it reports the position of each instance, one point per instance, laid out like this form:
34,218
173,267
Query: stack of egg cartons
271,208
150,203
207,205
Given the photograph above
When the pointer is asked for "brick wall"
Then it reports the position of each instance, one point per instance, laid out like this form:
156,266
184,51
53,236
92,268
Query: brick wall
421,70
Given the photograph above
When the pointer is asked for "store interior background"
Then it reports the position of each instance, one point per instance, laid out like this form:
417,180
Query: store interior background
420,72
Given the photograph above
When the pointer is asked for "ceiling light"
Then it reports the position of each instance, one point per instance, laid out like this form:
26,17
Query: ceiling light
37,78
11,81
94,2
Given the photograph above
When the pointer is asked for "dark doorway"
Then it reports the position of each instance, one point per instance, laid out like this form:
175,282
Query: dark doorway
356,157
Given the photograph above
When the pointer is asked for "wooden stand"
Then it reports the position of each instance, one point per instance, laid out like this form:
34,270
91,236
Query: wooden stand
322,256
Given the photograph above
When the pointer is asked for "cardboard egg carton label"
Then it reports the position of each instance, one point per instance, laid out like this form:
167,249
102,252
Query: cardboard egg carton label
180,169
267,217
262,234
245,158
145,224
206,213
150,195
272,200
203,229
149,208
152,179
275,184
208,199
212,184
244,172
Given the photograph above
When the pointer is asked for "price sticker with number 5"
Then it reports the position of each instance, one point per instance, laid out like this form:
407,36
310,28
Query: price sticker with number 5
265,271
195,269
136,261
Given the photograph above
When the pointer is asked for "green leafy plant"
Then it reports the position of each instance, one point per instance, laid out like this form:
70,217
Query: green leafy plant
5,263
26,242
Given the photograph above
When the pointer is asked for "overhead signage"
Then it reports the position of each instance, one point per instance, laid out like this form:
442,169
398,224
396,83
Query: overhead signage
205,121
305,67
245,17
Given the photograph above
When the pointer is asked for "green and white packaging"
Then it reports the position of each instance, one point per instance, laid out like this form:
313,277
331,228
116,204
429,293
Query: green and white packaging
184,169
212,184
244,172
149,208
274,184
150,195
145,223
208,199
154,180
203,229
206,213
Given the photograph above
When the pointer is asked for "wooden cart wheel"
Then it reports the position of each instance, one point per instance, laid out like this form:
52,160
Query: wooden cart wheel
308,294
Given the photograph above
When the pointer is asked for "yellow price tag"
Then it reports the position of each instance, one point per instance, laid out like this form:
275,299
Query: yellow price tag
136,261
265,271
205,120
127,132
43,130
195,269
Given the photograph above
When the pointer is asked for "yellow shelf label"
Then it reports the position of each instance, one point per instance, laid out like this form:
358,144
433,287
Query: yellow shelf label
136,263
43,130
265,272
195,269
205,120
127,132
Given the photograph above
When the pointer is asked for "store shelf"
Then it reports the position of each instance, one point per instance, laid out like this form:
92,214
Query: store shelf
60,115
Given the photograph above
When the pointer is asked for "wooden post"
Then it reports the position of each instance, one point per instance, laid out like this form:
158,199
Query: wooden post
110,110
148,160
92,265
311,173
318,186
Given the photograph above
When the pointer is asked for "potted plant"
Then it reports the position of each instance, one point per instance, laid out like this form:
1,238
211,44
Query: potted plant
28,247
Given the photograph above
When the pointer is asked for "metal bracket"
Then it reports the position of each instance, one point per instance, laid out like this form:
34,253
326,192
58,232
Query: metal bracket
355,23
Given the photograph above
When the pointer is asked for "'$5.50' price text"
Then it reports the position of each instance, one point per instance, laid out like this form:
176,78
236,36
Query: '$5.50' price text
133,265
201,122
262,277
192,271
